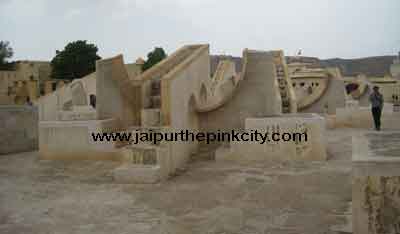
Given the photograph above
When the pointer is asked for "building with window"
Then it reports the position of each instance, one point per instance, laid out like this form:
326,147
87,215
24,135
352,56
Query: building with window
26,82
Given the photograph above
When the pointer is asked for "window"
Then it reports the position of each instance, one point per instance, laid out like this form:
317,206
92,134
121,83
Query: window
92,100
41,89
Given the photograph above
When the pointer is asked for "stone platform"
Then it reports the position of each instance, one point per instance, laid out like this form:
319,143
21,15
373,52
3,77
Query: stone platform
376,182
313,148
18,128
361,117
72,140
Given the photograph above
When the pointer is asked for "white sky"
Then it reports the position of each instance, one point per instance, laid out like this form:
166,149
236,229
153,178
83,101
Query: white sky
321,28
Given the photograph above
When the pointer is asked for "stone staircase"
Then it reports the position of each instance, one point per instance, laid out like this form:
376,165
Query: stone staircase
283,89
155,94
144,162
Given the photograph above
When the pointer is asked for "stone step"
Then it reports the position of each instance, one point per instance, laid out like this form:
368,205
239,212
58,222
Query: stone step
178,172
133,174
151,117
204,154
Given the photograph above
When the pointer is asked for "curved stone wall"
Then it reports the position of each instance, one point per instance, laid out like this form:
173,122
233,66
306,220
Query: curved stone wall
328,98
255,93
316,93
223,85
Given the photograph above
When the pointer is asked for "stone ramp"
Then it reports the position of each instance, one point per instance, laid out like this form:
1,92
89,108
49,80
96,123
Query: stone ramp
260,71
113,82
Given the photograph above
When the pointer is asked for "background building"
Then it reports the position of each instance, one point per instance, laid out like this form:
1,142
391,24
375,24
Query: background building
28,81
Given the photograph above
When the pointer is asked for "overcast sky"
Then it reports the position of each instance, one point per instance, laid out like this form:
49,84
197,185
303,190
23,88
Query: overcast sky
322,28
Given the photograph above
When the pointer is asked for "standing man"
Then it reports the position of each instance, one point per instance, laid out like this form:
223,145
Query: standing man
376,100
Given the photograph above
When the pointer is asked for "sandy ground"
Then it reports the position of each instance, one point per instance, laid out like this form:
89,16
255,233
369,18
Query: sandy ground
210,198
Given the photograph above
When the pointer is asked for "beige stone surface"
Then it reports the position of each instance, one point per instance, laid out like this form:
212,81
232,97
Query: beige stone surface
78,94
361,117
286,90
72,140
86,113
332,98
23,82
62,99
151,158
222,88
256,95
111,102
181,114
133,174
18,128
376,182
388,86
150,117
312,149
318,90
40,196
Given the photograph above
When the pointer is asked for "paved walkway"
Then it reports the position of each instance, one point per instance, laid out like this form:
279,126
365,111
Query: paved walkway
80,197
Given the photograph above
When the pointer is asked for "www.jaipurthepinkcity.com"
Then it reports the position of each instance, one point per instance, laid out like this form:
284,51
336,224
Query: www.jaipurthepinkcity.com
156,137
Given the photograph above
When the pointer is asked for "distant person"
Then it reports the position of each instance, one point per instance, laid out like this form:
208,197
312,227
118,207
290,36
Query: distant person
376,100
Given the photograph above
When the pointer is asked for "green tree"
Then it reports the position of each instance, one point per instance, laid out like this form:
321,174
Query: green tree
6,52
77,60
154,57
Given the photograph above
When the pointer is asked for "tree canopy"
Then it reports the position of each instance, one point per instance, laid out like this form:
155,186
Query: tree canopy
6,52
154,57
77,60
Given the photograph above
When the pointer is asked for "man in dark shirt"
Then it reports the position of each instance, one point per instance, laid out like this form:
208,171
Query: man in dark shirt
376,100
